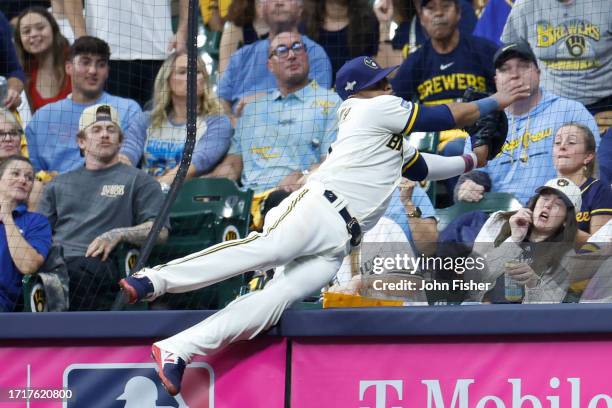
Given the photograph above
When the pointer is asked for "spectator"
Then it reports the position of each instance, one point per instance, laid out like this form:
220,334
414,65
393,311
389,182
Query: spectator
531,245
166,124
137,32
410,34
525,162
605,157
245,25
9,67
448,62
51,131
574,158
493,19
345,30
286,133
94,208
42,51
571,39
445,66
13,143
25,237
247,74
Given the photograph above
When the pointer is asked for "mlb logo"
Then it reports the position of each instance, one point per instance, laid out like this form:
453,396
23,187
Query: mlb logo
136,385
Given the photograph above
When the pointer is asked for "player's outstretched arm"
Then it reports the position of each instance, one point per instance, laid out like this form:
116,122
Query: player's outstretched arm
468,113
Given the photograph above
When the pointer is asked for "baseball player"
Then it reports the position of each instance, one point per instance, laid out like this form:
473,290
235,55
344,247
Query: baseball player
312,230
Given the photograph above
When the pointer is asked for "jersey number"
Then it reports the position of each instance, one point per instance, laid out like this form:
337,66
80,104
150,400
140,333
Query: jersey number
396,142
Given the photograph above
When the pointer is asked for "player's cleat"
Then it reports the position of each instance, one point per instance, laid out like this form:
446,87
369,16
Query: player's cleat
170,369
137,288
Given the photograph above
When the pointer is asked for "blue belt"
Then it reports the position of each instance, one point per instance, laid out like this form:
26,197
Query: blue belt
352,225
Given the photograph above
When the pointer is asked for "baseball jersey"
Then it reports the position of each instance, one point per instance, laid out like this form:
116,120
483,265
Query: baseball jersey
434,78
596,200
365,162
571,42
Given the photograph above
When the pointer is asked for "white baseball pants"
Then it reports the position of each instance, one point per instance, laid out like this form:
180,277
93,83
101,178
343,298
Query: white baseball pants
305,233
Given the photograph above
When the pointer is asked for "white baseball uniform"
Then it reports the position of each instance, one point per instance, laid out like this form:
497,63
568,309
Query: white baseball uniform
305,233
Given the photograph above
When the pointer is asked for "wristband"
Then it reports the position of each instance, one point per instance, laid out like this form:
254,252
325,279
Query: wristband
470,160
487,105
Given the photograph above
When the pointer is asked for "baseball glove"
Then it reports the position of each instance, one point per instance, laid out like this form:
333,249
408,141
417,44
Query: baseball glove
490,130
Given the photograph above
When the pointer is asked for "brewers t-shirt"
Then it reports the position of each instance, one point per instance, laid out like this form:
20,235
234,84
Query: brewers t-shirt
433,78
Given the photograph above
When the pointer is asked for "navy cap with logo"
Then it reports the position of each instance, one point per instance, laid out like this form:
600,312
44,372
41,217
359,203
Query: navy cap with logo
358,74
519,49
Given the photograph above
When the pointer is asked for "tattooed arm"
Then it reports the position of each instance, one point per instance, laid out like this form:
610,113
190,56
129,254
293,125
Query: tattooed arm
104,244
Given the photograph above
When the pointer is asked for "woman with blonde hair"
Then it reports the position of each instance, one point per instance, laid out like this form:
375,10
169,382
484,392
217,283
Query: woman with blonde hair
165,124
42,51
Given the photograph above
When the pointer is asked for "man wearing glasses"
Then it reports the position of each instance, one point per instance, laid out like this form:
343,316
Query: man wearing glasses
246,73
285,133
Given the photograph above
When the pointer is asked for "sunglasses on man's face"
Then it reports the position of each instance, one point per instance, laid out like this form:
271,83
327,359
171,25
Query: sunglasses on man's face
282,51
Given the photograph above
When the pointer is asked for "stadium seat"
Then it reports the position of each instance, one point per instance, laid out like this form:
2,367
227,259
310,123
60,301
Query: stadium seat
47,290
490,203
206,212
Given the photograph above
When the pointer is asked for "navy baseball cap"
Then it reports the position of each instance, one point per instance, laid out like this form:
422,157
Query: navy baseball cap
358,74
519,49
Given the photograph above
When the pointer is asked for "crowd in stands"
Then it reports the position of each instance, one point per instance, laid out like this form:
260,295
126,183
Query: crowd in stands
94,113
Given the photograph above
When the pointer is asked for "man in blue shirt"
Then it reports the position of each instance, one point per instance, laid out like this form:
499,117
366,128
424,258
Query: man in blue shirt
525,162
246,73
25,237
52,130
288,131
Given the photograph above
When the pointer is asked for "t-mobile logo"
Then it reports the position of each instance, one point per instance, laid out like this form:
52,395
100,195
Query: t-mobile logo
380,387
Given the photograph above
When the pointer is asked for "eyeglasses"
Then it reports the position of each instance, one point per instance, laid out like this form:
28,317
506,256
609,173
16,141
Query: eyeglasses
282,51
8,134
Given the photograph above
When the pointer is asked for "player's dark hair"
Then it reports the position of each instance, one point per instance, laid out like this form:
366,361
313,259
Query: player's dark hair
90,45
362,26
